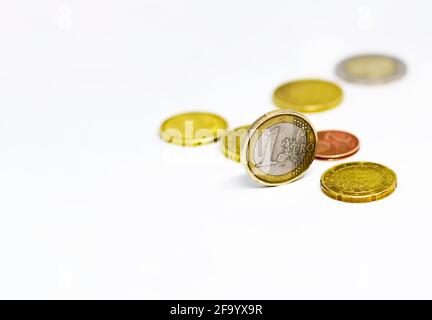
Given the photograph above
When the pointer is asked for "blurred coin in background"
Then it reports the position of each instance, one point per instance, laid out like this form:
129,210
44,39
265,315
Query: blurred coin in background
336,144
308,95
193,128
371,69
232,142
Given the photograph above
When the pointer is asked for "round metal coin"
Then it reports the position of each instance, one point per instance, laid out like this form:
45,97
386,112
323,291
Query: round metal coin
280,147
308,95
193,128
336,144
232,141
358,182
371,69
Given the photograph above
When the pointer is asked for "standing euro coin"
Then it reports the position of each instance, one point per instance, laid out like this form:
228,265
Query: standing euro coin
280,147
308,95
371,69
358,182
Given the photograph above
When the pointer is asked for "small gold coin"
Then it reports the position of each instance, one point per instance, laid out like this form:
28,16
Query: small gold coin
193,128
280,147
232,141
371,69
358,182
308,95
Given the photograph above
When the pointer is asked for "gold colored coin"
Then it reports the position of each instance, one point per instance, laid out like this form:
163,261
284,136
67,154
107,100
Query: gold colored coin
371,69
280,147
193,128
308,95
358,182
232,141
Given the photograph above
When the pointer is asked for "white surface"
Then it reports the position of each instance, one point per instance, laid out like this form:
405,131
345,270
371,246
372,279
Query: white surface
94,205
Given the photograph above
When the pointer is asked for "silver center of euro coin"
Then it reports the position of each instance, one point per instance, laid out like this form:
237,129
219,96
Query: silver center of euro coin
280,149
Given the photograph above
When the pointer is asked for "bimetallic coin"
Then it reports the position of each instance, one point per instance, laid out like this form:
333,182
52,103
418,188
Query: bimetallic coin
280,147
308,95
358,182
371,69
193,128
336,144
232,141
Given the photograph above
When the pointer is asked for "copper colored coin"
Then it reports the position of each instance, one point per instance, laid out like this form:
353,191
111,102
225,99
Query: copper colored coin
334,144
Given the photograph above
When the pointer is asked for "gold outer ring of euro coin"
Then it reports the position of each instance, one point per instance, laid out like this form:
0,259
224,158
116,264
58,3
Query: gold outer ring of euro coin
370,69
232,142
358,182
279,148
193,128
308,95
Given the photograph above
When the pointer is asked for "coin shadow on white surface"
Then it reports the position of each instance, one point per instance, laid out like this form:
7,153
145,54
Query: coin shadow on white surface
244,181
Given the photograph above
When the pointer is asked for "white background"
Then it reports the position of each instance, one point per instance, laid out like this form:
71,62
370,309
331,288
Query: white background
94,205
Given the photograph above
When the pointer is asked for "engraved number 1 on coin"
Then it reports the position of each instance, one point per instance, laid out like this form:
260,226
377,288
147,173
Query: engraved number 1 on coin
270,138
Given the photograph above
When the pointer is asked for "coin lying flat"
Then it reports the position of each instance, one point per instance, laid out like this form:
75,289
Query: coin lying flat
336,144
308,95
371,69
193,128
358,182
280,147
232,141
